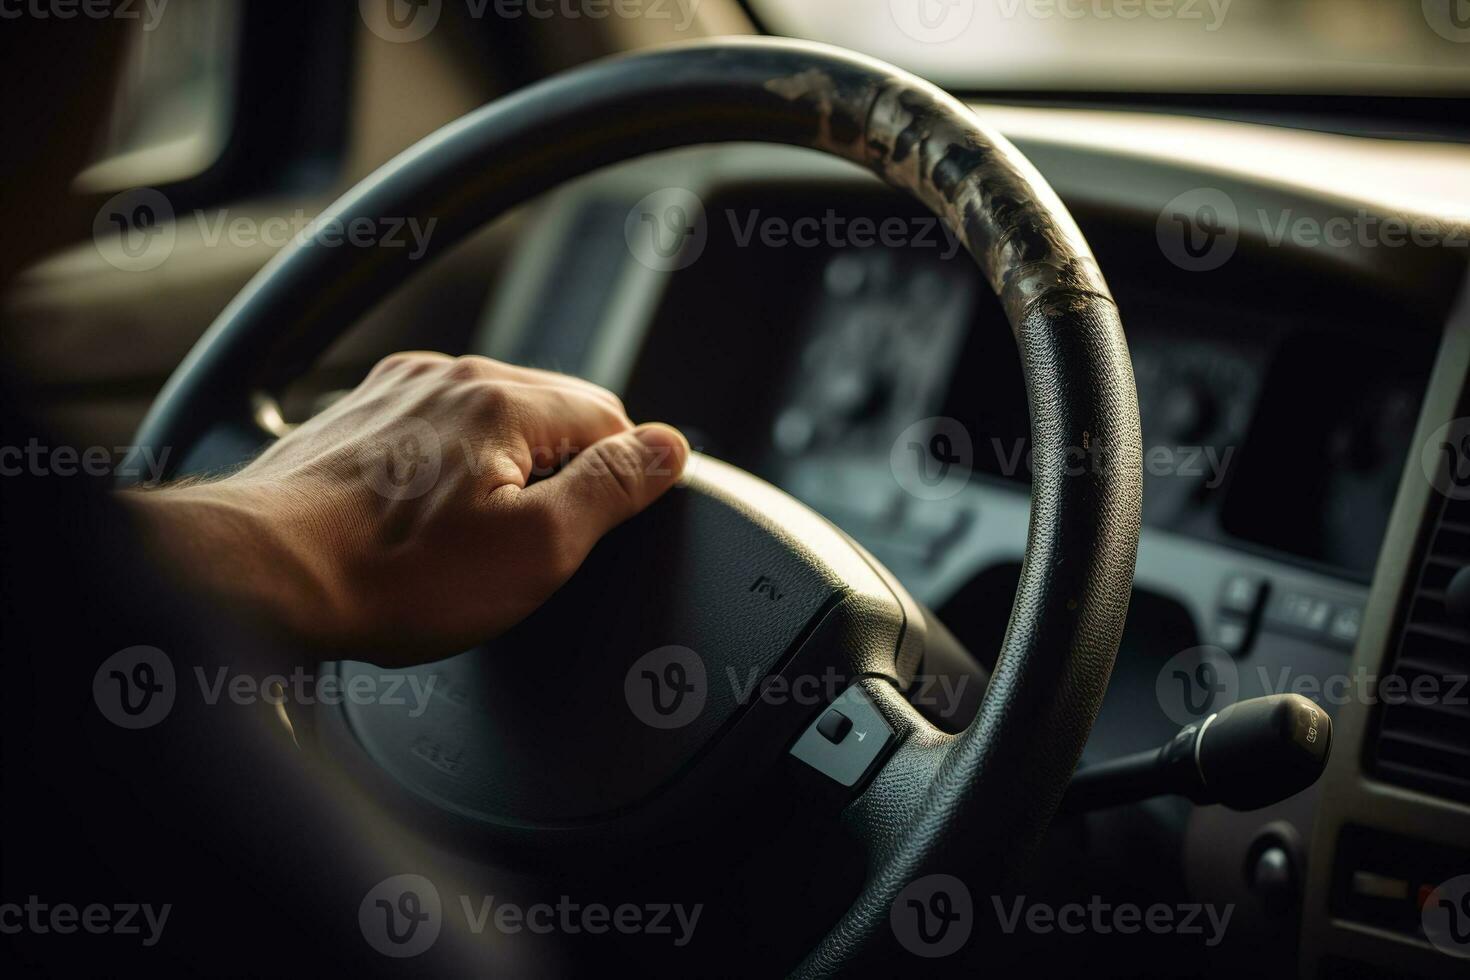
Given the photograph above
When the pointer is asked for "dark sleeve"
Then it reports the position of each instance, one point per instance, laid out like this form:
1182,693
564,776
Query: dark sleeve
211,810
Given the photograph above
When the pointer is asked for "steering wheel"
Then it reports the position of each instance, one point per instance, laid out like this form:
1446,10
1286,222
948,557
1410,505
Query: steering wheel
727,576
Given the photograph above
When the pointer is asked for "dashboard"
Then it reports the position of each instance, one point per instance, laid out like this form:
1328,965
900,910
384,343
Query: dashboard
869,341
1283,398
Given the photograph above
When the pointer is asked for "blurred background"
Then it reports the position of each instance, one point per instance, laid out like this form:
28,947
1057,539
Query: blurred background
1360,46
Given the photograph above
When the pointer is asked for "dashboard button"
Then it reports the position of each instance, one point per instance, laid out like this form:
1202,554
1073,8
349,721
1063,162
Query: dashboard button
834,726
1231,635
1300,612
849,755
1241,595
1346,624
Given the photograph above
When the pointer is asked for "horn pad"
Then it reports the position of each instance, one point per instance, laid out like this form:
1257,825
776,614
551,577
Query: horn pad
613,688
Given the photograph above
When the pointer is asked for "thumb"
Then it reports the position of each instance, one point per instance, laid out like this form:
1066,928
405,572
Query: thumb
610,481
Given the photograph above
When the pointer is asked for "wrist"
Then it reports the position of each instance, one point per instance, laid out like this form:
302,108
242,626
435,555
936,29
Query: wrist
243,546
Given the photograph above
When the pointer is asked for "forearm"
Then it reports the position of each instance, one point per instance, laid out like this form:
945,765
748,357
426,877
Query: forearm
236,547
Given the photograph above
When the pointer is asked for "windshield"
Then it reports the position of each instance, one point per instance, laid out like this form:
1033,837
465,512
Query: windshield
1238,46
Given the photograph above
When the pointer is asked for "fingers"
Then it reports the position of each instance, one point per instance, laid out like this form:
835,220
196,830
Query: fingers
514,422
536,376
607,484
472,367
543,426
540,419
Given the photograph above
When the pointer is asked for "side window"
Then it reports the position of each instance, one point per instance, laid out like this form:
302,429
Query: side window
219,100
174,105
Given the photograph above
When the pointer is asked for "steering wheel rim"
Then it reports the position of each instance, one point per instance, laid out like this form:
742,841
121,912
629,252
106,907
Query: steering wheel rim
993,788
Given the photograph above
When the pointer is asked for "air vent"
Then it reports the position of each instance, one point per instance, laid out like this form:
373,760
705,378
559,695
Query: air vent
1424,742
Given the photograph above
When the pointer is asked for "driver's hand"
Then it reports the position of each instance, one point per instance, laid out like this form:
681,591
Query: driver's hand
430,509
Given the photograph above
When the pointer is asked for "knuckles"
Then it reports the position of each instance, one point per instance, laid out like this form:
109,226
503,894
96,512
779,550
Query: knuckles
407,364
488,399
468,367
